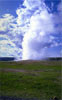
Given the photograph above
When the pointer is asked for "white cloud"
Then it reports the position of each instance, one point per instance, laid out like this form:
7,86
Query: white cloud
33,34
32,4
37,38
10,40
8,48
6,21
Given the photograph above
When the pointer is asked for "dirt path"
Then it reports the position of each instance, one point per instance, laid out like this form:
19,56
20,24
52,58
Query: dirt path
22,70
19,70
11,70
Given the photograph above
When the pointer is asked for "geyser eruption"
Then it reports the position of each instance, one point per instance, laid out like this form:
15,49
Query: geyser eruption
36,39
37,26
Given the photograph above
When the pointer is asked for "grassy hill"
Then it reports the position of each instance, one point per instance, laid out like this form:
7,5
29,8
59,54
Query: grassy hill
31,79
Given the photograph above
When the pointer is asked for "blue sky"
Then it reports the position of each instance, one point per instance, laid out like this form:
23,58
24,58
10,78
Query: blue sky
30,29
9,6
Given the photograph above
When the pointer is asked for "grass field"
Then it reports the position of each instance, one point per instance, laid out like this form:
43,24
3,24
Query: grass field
31,79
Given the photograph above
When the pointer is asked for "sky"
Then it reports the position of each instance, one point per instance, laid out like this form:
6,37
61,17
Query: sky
30,29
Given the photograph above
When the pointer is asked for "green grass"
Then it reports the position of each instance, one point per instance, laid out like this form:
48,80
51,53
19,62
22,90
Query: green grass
42,79
33,65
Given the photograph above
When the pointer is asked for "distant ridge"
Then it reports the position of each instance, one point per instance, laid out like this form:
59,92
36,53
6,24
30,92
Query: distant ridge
54,58
13,59
7,58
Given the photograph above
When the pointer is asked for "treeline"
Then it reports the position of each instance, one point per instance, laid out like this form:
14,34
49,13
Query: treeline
55,58
7,58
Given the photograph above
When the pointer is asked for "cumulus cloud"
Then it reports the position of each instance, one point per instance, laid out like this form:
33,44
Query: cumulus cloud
8,48
6,21
10,41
